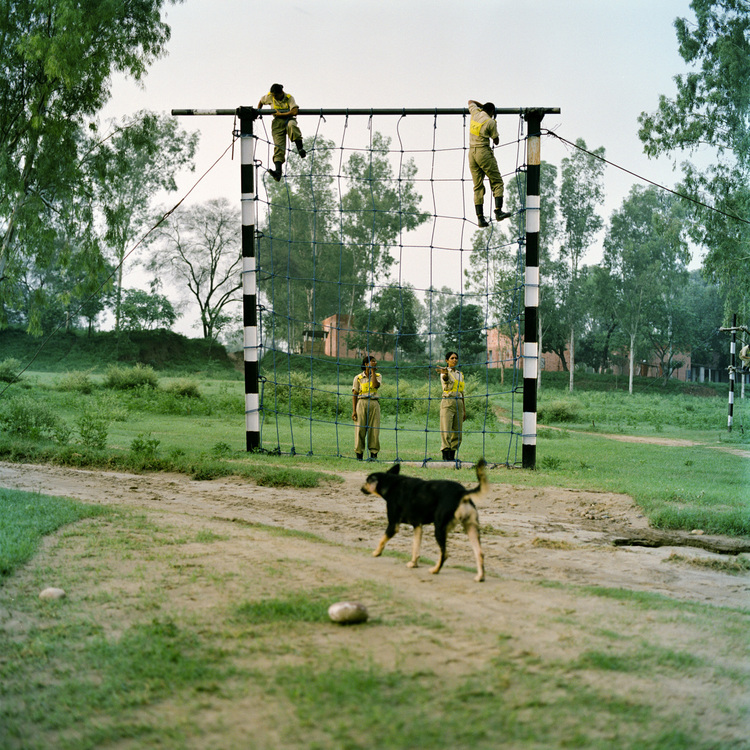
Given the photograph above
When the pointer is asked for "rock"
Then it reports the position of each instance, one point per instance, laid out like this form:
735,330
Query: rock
348,613
52,593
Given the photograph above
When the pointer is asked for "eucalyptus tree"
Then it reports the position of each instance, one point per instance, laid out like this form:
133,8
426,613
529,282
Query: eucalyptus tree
581,193
646,255
133,165
708,121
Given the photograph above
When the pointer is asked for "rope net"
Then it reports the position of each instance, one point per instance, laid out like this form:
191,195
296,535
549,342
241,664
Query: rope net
369,246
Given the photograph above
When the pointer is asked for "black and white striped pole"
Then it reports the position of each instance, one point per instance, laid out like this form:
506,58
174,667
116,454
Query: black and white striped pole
732,371
247,116
531,286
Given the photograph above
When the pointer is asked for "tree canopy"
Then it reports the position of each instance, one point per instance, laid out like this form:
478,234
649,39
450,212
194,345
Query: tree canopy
708,119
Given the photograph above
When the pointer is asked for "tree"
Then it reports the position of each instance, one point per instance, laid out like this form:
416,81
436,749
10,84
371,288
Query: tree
140,159
594,346
321,255
58,58
465,333
303,271
389,323
437,304
377,209
712,109
581,192
703,303
646,256
199,249
142,310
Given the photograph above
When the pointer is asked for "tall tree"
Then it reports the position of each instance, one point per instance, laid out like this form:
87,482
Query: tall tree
646,255
581,193
711,111
321,253
199,249
58,59
305,274
128,170
378,208
465,333
389,323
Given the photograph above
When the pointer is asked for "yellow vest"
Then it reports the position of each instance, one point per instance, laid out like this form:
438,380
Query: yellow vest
280,106
366,389
457,386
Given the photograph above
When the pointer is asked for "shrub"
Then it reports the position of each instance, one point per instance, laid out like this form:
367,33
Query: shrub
144,446
129,378
25,418
93,428
9,369
184,388
77,381
559,411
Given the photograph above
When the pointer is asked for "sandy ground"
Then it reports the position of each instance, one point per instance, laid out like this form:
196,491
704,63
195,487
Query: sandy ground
529,534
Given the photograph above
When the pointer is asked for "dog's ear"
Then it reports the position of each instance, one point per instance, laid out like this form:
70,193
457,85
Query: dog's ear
394,469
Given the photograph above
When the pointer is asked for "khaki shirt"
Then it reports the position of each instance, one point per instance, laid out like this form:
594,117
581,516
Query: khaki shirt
453,384
362,387
481,128
287,104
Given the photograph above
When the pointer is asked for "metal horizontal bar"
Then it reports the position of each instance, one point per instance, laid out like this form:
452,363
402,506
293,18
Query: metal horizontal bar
405,112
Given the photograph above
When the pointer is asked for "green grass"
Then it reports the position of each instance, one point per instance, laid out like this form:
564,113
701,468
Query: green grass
194,424
28,517
127,662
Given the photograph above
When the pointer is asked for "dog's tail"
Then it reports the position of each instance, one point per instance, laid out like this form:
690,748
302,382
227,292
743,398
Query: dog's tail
481,490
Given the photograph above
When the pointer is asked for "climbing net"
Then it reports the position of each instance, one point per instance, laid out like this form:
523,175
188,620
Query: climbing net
370,246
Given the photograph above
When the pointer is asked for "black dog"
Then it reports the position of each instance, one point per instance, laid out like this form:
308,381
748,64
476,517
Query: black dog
437,501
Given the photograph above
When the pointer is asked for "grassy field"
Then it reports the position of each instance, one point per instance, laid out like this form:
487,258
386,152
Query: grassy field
139,419
82,676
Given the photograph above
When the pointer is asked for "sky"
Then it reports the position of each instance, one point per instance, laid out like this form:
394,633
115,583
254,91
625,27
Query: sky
602,62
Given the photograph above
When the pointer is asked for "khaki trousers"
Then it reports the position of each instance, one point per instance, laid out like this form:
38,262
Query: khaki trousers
482,163
280,128
367,429
450,424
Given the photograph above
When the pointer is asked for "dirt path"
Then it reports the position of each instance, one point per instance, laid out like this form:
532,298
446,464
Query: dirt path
529,534
544,550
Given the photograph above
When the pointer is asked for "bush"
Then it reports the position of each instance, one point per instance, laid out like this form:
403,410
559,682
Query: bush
144,446
184,388
93,428
559,411
129,378
77,381
9,369
25,418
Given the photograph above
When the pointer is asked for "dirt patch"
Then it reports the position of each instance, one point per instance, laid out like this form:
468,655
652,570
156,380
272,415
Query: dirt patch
529,534
545,549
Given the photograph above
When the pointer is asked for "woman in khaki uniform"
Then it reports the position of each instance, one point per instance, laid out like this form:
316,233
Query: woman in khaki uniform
284,123
366,409
452,407
482,161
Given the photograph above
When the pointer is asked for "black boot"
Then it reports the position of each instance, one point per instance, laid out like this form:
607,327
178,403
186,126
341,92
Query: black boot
446,454
499,213
452,455
480,216
359,456
276,173
373,456
300,148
